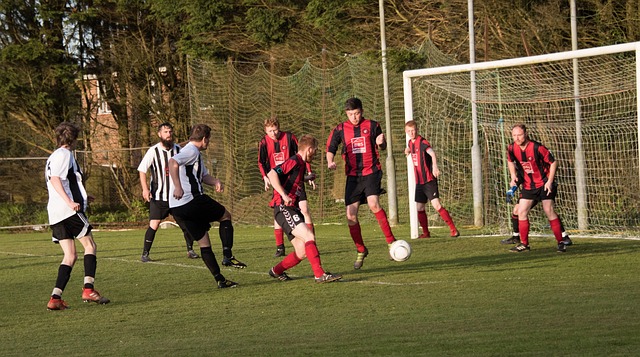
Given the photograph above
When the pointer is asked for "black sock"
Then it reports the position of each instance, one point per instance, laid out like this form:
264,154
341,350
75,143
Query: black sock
64,273
210,261
226,236
149,236
188,240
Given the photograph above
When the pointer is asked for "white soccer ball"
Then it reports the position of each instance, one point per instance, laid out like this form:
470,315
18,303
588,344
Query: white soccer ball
400,250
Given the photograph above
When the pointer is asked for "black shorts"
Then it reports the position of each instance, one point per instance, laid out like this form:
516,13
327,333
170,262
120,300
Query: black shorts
288,218
358,188
76,226
196,215
539,194
158,210
427,191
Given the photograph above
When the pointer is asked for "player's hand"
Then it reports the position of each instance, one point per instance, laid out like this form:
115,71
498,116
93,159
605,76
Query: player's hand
407,151
510,193
287,201
218,185
178,193
74,206
436,171
548,187
380,139
331,165
267,183
146,194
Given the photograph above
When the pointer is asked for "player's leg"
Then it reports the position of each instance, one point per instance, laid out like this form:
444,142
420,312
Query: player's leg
89,293
191,254
304,208
158,210
515,231
209,259
226,237
524,206
434,195
279,235
64,270
423,220
372,191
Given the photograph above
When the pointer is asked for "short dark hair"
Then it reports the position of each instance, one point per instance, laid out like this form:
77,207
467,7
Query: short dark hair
199,132
353,103
165,124
66,133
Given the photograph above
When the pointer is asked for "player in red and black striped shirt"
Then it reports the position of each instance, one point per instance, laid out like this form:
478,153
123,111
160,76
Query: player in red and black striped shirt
425,167
360,139
534,164
274,148
287,180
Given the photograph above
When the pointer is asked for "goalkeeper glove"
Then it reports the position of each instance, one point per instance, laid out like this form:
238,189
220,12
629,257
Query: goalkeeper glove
510,193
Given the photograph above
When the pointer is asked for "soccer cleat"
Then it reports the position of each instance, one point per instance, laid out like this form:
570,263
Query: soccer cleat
520,248
562,247
566,241
281,277
426,234
328,277
56,304
360,259
279,252
92,295
455,233
226,283
145,258
192,255
233,262
512,240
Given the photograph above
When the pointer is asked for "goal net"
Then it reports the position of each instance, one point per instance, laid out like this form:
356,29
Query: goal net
590,125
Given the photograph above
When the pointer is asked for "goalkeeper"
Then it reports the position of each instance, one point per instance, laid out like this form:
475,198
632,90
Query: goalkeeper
533,164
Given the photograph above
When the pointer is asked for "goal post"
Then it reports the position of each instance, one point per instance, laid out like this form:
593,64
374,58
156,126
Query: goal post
582,104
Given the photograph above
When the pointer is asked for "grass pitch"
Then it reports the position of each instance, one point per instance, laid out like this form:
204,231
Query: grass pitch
466,296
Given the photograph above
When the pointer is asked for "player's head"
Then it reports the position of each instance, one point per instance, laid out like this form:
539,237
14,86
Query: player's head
519,134
165,133
200,133
308,145
272,127
411,129
66,134
353,109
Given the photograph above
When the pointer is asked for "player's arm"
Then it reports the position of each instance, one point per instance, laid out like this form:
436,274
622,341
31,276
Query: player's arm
214,182
434,162
552,175
263,163
174,174
56,182
146,193
333,142
381,141
275,182
514,175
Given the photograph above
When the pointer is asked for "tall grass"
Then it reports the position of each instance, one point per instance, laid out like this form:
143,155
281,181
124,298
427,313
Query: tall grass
454,297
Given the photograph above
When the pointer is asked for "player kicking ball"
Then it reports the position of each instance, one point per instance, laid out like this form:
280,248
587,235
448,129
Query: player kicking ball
288,180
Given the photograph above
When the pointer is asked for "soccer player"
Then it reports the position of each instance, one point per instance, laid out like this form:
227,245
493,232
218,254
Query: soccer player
287,180
194,210
361,139
157,159
425,167
515,234
68,201
274,148
534,164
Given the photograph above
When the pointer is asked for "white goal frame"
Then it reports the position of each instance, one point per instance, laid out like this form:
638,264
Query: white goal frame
475,154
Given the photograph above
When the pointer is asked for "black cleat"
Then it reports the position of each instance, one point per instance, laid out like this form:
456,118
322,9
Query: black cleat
512,240
281,277
520,248
233,262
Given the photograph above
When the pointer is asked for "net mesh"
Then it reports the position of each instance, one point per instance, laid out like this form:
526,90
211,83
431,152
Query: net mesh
542,97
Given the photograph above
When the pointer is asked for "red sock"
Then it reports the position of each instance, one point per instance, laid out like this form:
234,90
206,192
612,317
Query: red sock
311,227
381,216
313,255
523,227
424,222
444,214
556,227
278,233
356,235
288,262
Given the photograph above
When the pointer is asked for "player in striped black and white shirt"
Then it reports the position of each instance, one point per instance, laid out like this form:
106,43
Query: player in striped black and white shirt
155,164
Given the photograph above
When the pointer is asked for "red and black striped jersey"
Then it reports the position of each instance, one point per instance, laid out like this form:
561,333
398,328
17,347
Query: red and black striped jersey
291,176
532,163
272,153
359,149
422,162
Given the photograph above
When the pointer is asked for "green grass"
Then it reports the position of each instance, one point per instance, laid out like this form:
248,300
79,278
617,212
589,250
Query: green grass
454,297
